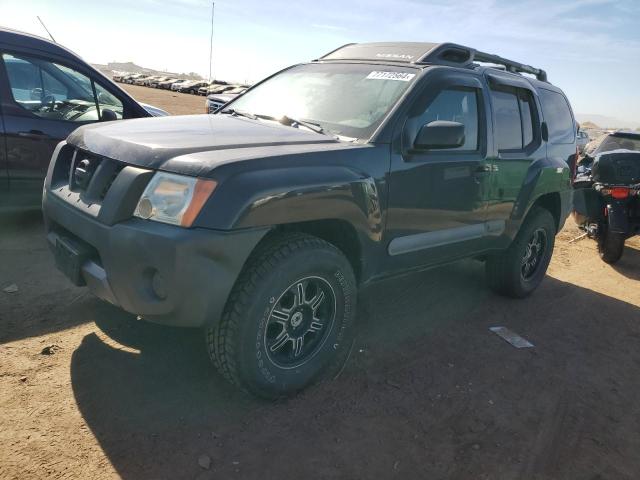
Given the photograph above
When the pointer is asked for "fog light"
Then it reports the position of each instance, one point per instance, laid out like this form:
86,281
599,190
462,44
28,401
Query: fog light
159,286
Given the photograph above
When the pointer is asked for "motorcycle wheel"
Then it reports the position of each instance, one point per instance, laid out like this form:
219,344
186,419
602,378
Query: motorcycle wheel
611,246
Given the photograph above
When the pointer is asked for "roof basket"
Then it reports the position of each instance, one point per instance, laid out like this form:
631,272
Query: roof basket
427,53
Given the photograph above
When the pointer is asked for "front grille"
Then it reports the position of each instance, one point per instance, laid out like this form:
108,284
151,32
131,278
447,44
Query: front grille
84,179
92,175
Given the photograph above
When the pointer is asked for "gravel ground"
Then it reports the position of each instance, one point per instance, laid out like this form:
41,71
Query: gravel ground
87,391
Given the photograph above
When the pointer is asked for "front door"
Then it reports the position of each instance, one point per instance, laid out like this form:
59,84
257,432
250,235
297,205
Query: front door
438,198
44,103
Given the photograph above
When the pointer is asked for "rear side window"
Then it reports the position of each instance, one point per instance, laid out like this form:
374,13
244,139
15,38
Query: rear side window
514,113
558,117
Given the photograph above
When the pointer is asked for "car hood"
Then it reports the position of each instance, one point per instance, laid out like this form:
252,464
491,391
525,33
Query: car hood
196,144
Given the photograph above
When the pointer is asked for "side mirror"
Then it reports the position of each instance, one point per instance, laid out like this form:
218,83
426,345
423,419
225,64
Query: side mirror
440,134
108,115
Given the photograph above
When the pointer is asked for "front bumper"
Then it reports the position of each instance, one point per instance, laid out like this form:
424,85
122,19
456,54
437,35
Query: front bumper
166,274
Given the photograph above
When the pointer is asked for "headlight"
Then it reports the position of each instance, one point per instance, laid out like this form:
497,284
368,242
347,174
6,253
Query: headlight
174,199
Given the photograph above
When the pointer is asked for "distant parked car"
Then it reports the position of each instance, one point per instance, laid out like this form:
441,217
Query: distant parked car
215,102
118,76
176,85
141,79
192,87
582,139
46,92
204,90
156,81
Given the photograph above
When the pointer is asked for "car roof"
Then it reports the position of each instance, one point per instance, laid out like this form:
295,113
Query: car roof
424,54
22,39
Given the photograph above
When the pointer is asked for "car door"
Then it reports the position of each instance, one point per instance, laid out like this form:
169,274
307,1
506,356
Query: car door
4,171
517,139
44,102
438,198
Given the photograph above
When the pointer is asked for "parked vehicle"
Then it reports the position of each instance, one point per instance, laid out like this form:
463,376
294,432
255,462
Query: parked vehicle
204,90
582,140
130,79
46,92
140,80
191,87
118,76
156,82
177,84
259,223
607,191
215,102
214,89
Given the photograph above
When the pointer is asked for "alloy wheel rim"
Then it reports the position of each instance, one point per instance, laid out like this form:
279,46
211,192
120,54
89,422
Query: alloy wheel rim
299,322
534,253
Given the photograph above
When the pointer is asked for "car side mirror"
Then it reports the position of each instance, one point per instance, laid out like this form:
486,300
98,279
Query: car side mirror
107,115
440,134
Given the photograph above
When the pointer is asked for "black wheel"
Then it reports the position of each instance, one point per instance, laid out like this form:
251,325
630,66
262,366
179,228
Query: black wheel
611,246
288,319
519,270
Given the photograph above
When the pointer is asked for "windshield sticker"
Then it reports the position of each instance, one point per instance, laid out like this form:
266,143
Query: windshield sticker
400,76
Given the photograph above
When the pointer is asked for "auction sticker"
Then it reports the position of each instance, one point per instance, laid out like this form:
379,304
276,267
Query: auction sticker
400,76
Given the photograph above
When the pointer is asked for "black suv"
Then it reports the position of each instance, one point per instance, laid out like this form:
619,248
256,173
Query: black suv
46,92
260,223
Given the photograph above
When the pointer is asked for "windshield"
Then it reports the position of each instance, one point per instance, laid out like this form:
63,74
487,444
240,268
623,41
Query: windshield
344,99
613,142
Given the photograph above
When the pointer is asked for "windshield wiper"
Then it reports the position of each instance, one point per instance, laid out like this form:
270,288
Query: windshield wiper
310,125
238,113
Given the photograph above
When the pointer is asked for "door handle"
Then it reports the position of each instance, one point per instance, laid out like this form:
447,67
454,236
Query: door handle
34,134
482,169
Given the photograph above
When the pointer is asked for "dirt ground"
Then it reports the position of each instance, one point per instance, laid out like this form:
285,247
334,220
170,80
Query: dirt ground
87,391
173,102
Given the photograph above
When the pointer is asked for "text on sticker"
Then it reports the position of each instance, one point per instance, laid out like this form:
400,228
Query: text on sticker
401,76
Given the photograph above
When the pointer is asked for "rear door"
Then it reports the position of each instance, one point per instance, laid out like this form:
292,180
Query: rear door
44,102
4,171
517,139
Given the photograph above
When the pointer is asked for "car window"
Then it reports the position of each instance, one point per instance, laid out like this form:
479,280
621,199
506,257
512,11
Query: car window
506,111
456,105
54,91
558,117
108,101
527,109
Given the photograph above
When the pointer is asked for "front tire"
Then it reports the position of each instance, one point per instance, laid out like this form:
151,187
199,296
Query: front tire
611,246
288,319
519,270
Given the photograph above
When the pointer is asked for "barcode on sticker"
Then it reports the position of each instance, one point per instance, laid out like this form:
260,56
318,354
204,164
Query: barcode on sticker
401,76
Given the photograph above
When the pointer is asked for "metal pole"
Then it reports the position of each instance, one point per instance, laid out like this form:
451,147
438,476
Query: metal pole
54,40
213,5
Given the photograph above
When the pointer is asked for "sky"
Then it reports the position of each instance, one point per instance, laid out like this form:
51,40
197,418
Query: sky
589,48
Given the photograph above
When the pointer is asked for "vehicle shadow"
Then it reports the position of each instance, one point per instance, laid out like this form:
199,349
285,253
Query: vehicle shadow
629,264
428,392
45,301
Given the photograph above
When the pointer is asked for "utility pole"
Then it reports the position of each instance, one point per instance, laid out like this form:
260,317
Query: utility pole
213,6
54,40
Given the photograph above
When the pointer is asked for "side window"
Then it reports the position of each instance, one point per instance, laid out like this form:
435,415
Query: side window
558,117
514,113
506,112
108,101
54,91
457,105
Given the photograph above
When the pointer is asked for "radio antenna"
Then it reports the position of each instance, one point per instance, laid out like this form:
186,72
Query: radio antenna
45,27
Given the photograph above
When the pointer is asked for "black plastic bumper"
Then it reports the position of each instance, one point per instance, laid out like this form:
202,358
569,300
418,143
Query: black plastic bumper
166,274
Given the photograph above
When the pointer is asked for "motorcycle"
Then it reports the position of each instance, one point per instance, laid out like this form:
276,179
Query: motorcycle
607,200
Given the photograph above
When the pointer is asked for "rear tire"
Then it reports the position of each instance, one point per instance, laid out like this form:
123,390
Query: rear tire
611,246
288,319
518,271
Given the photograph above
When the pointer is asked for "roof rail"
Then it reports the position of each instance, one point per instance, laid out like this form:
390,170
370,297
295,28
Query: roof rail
423,53
510,65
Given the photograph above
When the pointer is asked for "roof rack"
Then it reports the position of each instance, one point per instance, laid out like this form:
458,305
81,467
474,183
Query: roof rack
420,53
